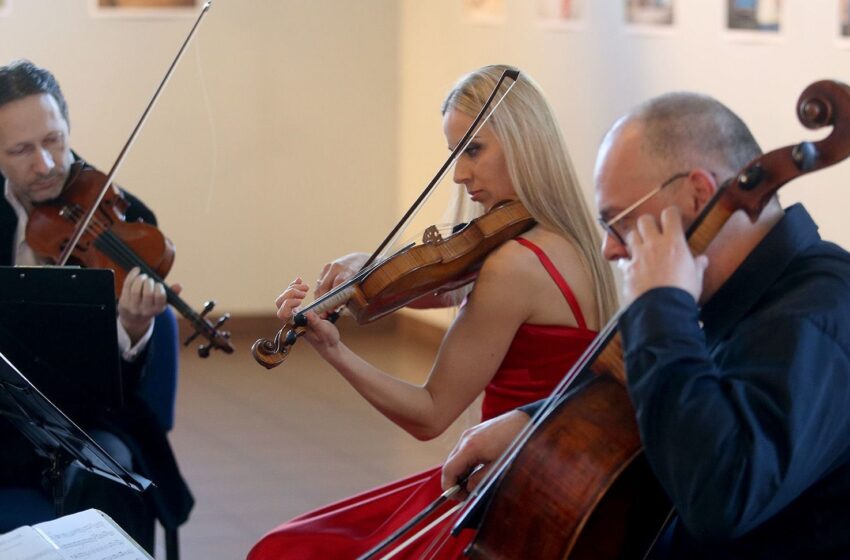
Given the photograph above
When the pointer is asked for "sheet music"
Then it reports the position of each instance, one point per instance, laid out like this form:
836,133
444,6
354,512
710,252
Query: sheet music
26,543
91,535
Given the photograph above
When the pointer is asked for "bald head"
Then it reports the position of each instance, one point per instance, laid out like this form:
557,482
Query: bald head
672,150
686,130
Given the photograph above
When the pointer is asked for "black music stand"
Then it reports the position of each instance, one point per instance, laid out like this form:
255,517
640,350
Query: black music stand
58,324
54,436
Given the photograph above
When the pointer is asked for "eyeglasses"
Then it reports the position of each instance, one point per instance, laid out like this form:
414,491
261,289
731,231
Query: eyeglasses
610,226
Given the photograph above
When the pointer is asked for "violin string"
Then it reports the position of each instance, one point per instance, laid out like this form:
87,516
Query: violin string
125,257
442,173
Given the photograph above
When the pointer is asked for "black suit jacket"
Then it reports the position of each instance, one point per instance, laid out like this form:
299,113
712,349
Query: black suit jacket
134,423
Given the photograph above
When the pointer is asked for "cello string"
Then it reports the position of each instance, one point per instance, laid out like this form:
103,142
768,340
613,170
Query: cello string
441,538
551,404
424,530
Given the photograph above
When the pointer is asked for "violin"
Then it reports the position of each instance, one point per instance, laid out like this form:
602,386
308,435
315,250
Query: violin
109,241
574,483
437,265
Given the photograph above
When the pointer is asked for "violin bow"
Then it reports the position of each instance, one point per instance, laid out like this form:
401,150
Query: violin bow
823,103
271,353
84,223
471,132
198,320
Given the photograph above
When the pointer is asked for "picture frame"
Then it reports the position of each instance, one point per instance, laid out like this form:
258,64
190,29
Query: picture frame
843,37
144,8
755,20
654,17
562,15
483,12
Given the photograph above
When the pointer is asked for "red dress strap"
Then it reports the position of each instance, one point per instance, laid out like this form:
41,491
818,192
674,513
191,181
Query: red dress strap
559,280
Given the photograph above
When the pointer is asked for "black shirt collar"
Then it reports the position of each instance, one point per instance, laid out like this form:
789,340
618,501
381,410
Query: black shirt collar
794,233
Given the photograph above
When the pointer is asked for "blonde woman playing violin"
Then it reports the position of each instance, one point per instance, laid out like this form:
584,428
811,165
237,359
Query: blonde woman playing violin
534,307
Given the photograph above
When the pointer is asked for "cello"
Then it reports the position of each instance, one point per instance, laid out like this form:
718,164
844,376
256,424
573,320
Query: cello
574,483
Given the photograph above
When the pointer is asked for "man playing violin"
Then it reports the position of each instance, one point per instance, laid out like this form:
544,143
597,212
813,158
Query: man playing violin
738,361
35,159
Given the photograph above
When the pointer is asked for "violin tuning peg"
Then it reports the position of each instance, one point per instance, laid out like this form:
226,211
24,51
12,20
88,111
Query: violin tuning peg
222,320
208,306
204,350
190,338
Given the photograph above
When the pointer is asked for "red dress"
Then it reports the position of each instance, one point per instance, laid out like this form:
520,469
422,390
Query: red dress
536,361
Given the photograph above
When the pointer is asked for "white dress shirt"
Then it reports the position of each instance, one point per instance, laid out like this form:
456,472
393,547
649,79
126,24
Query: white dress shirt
24,256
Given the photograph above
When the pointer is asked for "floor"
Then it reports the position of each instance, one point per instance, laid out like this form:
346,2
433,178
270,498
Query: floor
259,447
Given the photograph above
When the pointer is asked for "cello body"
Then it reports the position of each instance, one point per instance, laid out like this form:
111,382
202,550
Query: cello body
581,488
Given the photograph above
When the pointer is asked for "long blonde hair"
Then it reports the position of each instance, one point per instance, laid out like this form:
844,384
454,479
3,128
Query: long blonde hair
539,168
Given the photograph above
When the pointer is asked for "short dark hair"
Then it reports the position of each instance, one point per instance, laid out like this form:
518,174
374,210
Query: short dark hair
685,125
21,78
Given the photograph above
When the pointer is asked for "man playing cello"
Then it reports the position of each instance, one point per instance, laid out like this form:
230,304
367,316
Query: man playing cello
738,362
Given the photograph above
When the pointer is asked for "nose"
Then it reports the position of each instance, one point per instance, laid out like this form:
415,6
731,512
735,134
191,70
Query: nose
462,173
612,249
44,162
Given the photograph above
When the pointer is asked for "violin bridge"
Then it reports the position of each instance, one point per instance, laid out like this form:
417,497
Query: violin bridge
431,236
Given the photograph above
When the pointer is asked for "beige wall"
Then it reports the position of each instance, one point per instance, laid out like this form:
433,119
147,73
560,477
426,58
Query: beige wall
271,150
595,74
294,131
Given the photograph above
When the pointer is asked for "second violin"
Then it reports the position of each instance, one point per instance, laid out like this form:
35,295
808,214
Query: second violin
111,242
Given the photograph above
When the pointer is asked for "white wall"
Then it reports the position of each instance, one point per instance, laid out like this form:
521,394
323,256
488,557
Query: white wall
271,150
595,74
297,130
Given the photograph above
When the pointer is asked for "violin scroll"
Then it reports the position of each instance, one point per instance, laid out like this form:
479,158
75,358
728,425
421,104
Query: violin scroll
271,353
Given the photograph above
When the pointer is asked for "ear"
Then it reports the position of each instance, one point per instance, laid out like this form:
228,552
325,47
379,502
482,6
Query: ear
703,187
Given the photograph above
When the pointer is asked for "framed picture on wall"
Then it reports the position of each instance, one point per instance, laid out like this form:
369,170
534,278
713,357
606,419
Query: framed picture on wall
844,23
145,8
754,17
561,14
5,7
649,12
649,16
488,12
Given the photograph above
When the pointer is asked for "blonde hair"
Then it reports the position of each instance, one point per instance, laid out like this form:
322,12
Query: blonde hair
539,168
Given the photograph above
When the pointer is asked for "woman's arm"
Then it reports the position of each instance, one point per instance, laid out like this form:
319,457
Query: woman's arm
471,351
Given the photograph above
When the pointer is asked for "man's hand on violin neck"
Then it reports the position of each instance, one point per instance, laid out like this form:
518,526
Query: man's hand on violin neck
141,300
660,257
481,445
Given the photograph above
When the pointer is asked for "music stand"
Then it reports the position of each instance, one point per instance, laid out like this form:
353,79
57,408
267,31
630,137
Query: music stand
55,436
58,324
